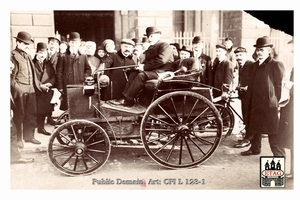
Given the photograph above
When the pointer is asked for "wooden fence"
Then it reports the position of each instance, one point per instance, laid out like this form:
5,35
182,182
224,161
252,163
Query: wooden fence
185,38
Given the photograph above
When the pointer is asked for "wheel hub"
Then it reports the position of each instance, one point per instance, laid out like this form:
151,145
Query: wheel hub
183,129
80,148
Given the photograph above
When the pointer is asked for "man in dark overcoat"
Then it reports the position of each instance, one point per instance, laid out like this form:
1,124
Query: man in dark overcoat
46,75
24,84
158,58
265,95
71,68
119,77
222,71
246,75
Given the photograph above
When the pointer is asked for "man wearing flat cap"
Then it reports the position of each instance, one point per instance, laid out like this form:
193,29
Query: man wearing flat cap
118,77
204,61
246,75
72,68
265,95
158,58
222,71
46,75
24,84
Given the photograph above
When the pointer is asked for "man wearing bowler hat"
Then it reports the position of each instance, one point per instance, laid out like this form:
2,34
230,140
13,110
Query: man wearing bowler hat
265,95
24,84
204,61
71,68
46,75
158,58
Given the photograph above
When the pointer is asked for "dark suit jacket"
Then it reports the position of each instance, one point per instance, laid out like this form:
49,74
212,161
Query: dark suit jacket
118,77
54,60
246,76
72,70
206,76
222,74
20,60
158,58
45,74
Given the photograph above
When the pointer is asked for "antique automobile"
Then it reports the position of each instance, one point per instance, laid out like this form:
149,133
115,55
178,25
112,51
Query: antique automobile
174,119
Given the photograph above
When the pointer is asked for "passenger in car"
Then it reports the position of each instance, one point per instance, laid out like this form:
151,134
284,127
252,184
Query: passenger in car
158,58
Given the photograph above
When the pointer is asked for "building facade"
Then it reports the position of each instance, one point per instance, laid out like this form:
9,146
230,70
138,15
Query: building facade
176,26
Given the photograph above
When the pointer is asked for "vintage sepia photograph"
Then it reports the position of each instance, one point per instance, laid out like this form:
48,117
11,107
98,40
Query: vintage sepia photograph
151,100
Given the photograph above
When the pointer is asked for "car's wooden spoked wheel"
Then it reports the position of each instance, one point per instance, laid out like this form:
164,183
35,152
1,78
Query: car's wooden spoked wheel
227,119
174,133
85,149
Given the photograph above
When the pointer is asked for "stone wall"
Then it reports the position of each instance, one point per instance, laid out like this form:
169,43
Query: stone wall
40,24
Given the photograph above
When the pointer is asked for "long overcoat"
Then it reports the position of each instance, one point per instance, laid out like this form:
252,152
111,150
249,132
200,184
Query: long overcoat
45,74
71,69
265,95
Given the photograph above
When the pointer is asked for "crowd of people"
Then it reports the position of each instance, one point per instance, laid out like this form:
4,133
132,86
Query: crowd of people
59,63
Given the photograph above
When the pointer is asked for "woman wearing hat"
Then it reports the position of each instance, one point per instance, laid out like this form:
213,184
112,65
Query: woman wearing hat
23,86
265,95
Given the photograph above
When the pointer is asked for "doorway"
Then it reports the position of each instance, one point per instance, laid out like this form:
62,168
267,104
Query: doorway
91,25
